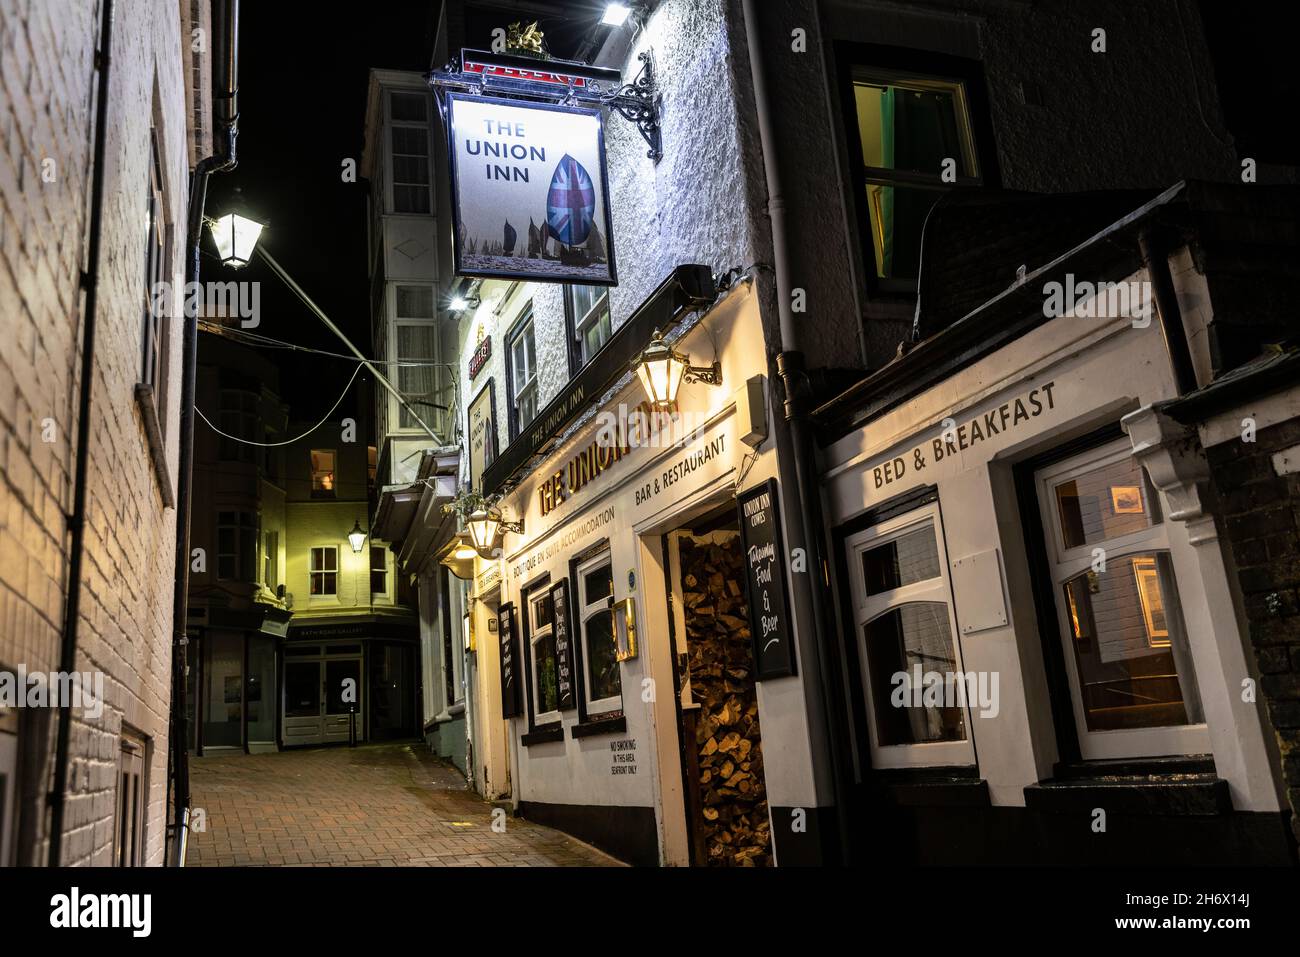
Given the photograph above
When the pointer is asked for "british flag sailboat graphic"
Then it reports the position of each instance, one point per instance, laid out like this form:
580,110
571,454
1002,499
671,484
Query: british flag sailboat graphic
570,203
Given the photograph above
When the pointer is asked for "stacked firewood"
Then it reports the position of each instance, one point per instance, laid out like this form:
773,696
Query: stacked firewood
733,800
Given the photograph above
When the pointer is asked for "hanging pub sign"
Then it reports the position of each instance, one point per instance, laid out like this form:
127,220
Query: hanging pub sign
510,698
530,195
482,432
765,562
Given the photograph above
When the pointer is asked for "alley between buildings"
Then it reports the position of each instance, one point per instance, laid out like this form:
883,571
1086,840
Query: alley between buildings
388,804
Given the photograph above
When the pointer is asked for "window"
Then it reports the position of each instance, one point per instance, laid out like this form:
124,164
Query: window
417,343
1131,680
906,633
587,308
325,570
909,128
271,561
378,570
602,684
8,782
522,359
541,640
128,841
157,308
322,473
237,546
238,417
409,135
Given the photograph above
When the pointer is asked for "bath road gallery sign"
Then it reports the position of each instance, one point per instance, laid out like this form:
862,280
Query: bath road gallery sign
530,195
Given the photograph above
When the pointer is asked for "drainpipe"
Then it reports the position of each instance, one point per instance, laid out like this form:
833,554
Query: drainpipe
798,404
1155,257
77,520
225,109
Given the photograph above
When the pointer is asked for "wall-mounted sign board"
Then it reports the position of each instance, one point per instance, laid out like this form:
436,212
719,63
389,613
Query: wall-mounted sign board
530,195
565,674
511,672
482,432
765,581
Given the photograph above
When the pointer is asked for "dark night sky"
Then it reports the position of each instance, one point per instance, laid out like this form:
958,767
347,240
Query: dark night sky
302,101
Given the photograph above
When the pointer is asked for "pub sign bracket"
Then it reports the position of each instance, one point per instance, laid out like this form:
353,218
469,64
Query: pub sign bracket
563,82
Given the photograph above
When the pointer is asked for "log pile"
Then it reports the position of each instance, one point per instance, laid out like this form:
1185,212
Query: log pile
732,798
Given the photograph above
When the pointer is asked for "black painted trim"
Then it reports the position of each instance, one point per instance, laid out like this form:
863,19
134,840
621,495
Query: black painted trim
599,726
543,734
629,833
525,632
816,845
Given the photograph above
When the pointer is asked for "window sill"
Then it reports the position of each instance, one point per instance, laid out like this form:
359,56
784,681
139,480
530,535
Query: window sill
612,725
543,735
1167,786
933,787
144,398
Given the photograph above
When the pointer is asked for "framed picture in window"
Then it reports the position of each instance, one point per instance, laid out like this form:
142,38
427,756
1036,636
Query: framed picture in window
1126,499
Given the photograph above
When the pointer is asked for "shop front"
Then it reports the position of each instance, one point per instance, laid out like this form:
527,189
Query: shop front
294,684
644,714
1046,661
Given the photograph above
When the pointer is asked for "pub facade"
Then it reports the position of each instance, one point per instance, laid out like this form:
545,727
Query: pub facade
694,636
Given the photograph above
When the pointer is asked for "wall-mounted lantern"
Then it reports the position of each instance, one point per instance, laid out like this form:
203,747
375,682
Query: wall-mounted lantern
663,370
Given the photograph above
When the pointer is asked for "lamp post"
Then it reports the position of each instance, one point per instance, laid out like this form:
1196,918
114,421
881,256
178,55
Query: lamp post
662,371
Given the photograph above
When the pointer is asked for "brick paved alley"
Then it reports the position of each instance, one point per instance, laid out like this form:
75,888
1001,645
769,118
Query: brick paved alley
386,804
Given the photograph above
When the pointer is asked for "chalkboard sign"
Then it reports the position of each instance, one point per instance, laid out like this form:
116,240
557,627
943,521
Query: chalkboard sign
564,670
511,703
765,580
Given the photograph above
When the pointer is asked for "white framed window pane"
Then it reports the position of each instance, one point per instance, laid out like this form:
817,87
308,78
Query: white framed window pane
410,107
1108,502
417,383
910,558
908,636
1129,645
415,302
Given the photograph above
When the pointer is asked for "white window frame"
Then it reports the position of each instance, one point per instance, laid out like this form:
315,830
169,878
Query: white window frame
535,635
129,830
271,559
599,310
439,377
868,608
586,610
322,571
157,314
1066,563
392,156
382,549
530,386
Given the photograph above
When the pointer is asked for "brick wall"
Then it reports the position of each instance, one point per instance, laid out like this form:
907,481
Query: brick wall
47,99
1262,514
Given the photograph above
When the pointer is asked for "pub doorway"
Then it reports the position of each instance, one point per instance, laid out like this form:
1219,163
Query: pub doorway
717,703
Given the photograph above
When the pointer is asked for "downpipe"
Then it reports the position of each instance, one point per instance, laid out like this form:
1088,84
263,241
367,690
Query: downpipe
790,367
225,53
77,520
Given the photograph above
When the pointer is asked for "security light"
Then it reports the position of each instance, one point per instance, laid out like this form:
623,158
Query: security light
616,14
